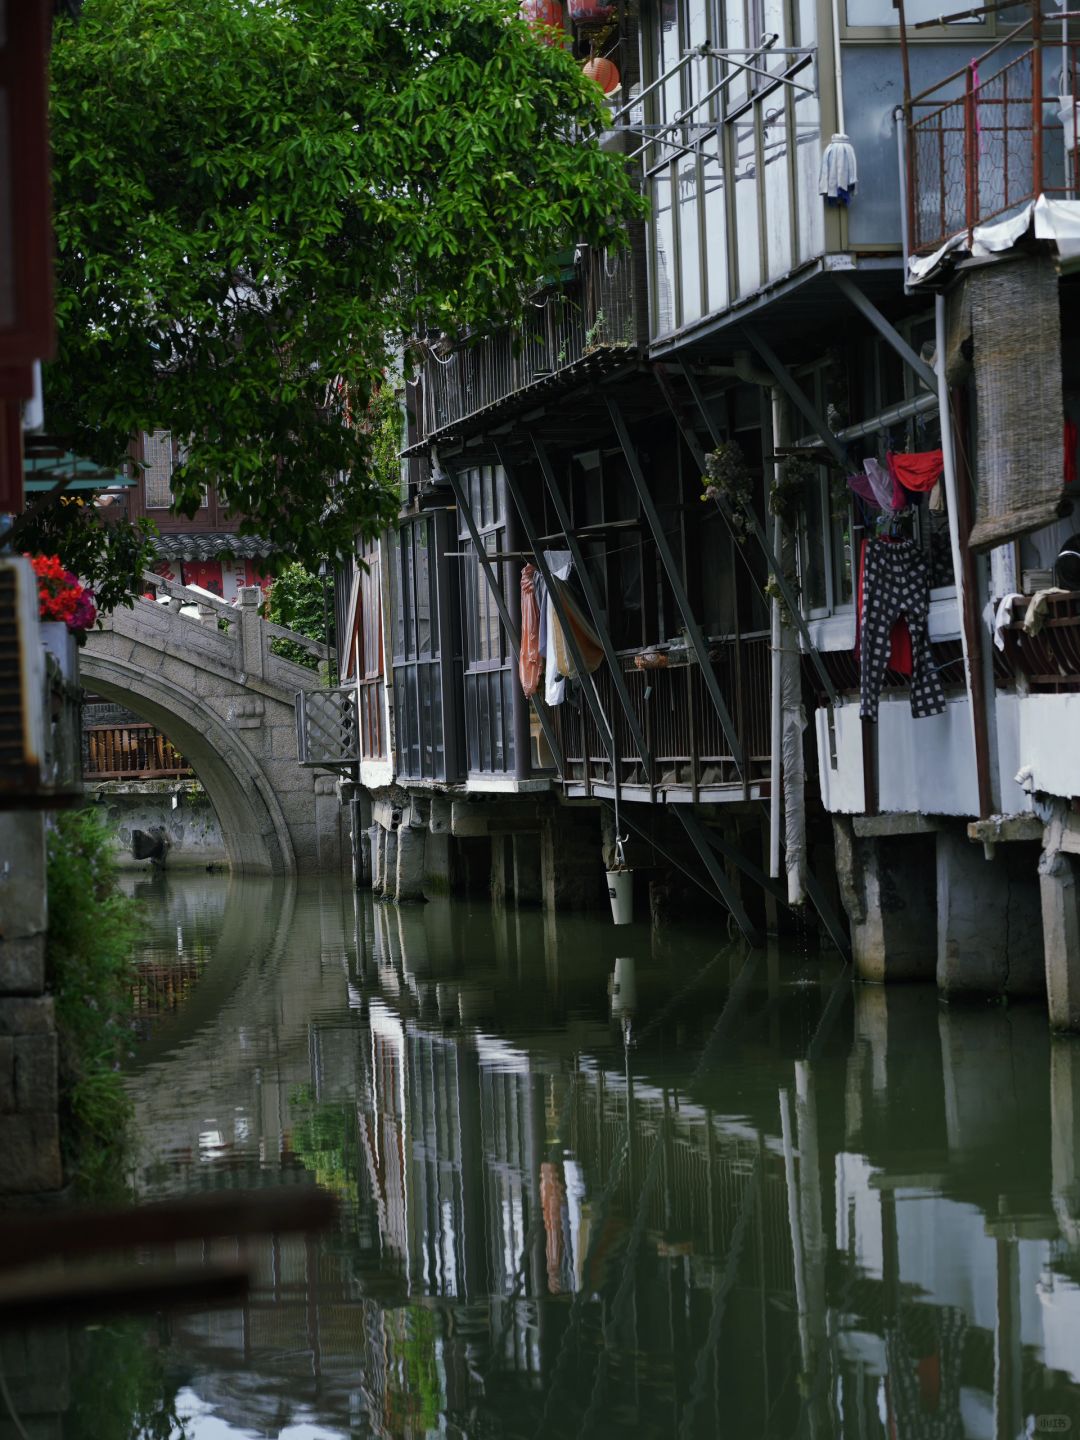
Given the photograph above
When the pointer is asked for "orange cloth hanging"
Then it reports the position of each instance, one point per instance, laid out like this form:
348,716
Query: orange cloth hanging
591,650
530,661
919,472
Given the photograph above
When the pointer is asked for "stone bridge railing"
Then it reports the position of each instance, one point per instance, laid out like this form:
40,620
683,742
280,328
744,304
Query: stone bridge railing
253,639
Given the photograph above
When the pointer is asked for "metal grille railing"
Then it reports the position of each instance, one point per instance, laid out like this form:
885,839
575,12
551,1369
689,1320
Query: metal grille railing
981,154
593,313
326,728
678,720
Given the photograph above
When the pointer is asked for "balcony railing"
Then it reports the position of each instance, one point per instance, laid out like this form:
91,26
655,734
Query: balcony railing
595,311
990,137
678,721
132,752
1050,659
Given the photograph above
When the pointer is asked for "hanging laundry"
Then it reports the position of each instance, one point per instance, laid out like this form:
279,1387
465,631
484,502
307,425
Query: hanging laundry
530,661
899,635
883,483
1072,436
585,636
554,685
860,485
917,472
896,581
838,175
1003,618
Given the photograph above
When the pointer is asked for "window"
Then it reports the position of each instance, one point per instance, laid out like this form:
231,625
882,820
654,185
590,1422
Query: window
418,691
732,166
158,465
489,669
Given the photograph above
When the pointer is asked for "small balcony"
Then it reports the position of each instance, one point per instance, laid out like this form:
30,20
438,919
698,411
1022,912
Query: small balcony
590,313
691,754
995,135
131,752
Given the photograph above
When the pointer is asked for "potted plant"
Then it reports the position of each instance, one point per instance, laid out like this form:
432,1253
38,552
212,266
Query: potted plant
66,610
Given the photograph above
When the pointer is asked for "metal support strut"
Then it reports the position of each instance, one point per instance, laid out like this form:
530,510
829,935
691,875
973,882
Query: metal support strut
512,632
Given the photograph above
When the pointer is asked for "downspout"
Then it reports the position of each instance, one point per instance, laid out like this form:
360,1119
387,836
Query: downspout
787,719
949,457
901,166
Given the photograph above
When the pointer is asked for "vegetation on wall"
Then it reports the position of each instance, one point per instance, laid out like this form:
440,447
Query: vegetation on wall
89,960
243,246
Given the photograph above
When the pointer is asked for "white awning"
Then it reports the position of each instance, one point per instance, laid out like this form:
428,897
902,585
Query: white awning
1057,220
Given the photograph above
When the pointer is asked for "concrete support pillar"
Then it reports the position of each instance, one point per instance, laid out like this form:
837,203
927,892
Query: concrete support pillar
988,939
253,654
328,846
409,871
390,848
888,887
377,844
528,882
437,865
502,874
1061,937
572,869
29,1122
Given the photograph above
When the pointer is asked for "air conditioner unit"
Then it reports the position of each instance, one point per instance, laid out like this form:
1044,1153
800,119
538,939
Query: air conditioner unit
23,739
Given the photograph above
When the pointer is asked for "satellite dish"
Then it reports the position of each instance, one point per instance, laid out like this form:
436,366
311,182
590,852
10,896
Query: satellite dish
1067,564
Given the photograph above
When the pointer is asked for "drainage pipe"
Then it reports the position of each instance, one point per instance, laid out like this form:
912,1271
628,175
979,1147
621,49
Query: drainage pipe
949,456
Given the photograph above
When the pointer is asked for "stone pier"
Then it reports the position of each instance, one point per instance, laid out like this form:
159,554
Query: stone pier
988,935
29,1123
886,868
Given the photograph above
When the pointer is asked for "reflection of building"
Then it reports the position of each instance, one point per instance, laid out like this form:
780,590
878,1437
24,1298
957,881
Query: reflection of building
551,1235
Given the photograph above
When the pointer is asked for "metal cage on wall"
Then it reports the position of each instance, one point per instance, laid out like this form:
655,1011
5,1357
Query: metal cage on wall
327,733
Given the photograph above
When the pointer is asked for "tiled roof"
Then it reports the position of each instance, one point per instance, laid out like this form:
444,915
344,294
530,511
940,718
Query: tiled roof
206,545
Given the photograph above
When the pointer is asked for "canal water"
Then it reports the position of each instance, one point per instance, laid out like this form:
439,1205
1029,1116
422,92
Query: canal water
593,1182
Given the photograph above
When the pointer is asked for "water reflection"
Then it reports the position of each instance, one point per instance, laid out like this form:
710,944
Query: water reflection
684,1193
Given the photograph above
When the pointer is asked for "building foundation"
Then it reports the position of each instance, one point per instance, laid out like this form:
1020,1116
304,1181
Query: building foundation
887,883
988,937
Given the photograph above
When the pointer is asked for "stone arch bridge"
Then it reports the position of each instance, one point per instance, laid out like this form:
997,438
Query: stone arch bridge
213,685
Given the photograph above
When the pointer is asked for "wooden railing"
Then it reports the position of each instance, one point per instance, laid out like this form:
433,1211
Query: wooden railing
1050,659
373,739
592,313
132,752
679,723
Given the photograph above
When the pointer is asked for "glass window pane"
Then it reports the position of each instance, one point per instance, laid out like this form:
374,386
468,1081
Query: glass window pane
663,255
808,153
689,242
716,257
777,186
424,636
747,224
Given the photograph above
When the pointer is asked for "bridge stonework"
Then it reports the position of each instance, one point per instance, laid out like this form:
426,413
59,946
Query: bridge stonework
228,703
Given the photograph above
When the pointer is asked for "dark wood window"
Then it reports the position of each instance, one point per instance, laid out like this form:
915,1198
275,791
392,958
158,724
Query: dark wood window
489,667
418,698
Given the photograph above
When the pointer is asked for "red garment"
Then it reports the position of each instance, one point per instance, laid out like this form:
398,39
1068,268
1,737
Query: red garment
919,472
900,658
1071,438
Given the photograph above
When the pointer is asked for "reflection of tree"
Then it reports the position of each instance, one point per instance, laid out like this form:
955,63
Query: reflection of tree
325,1141
414,1393
120,1388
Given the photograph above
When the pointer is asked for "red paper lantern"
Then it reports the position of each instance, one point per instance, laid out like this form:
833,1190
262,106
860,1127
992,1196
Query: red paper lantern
604,72
590,12
542,13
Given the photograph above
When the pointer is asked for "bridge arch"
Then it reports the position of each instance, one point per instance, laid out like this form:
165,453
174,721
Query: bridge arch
253,823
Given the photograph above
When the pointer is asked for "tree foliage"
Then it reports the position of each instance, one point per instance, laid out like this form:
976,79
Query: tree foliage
108,556
257,201
296,600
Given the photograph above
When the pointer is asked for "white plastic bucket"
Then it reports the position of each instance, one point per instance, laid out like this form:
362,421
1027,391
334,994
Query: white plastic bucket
620,889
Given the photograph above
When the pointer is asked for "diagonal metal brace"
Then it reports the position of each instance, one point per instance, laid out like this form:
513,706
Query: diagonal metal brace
750,516
793,391
693,629
886,330
593,602
512,632
699,838
588,688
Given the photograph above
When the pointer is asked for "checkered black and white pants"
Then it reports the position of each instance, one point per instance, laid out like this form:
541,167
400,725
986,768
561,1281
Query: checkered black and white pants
896,582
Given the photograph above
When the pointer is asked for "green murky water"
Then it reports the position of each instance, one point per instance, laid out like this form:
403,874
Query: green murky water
719,1196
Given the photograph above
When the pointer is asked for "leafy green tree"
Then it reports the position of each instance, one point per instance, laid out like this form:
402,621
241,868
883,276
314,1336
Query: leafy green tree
296,600
258,201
